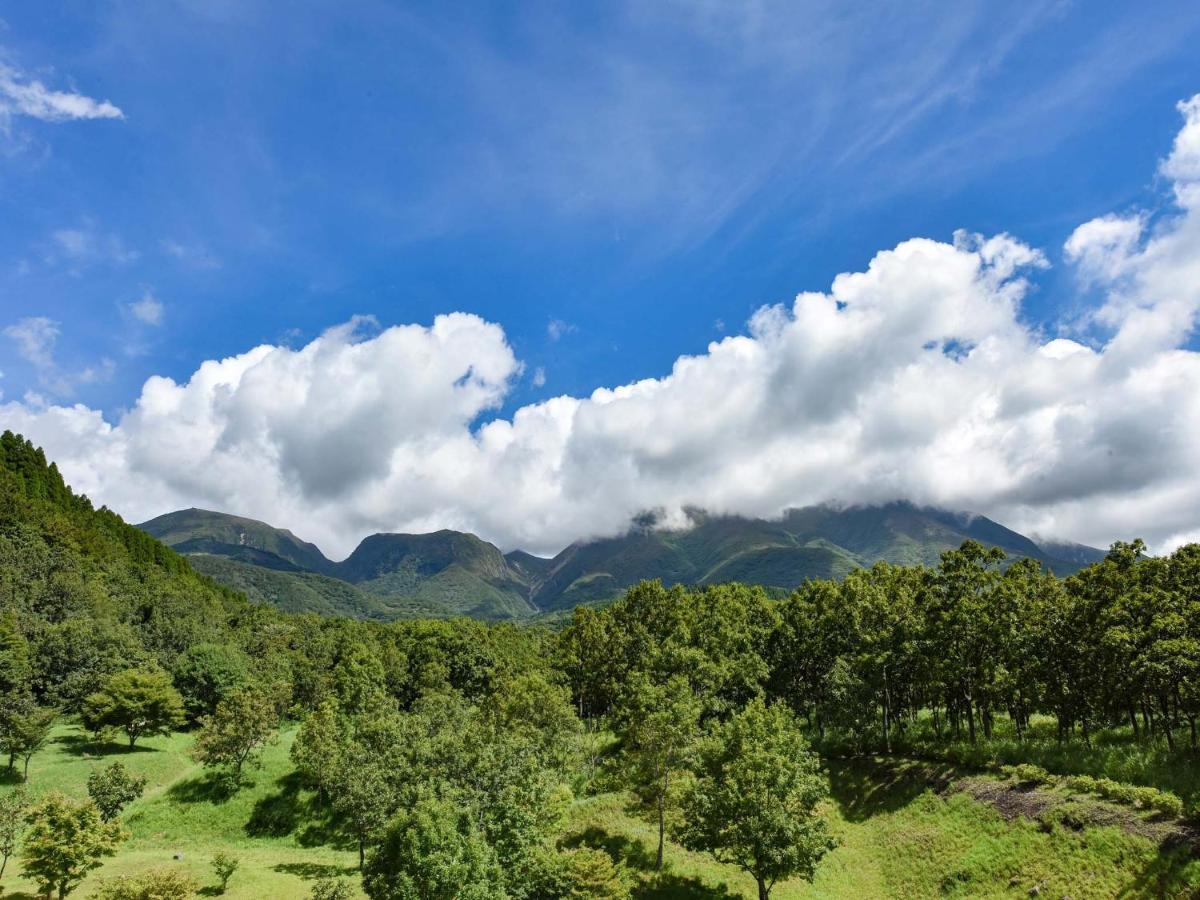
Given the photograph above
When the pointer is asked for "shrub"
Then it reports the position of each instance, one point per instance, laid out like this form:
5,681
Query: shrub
1027,773
155,884
224,865
331,889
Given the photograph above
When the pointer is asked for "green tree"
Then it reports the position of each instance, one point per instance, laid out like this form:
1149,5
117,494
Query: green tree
361,794
208,673
113,788
13,806
592,875
15,670
236,733
754,797
140,703
224,864
331,889
65,841
316,751
433,851
657,724
24,730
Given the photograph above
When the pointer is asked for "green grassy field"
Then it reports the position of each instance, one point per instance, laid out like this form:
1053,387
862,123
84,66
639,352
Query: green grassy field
264,826
897,838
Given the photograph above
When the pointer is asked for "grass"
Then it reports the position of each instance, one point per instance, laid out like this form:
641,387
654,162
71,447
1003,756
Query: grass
1114,753
897,837
283,843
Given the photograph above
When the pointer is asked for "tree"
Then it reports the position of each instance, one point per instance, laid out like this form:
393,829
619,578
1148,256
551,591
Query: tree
361,794
13,806
592,875
140,703
154,884
433,851
113,788
14,656
66,840
753,801
225,865
24,730
316,751
657,724
208,673
236,733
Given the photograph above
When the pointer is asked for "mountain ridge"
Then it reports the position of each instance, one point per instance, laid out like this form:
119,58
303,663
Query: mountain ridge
393,575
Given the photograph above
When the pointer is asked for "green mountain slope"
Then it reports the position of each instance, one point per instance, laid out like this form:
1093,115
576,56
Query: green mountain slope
814,542
306,592
452,571
248,540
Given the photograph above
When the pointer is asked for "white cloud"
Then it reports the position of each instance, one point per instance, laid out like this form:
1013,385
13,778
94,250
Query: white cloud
21,95
558,328
86,245
916,378
539,377
148,309
35,337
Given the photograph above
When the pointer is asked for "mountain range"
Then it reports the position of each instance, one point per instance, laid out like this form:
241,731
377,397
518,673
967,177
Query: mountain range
447,573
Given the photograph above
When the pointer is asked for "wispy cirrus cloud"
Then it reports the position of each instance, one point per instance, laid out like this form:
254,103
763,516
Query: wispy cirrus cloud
22,95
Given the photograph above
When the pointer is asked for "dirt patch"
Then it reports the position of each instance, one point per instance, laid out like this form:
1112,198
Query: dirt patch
1013,799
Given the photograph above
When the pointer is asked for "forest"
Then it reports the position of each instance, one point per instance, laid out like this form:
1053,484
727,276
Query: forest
633,752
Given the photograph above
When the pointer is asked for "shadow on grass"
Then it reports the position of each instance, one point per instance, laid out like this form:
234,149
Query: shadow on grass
81,744
635,855
313,871
11,775
210,787
1165,875
865,787
292,810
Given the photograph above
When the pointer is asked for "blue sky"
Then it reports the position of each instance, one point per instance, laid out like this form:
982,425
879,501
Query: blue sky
615,185
643,176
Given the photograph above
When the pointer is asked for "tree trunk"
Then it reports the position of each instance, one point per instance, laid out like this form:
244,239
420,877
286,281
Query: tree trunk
662,828
25,774
764,892
362,851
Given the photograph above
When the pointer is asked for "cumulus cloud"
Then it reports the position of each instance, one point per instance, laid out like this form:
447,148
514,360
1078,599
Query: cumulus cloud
916,378
21,95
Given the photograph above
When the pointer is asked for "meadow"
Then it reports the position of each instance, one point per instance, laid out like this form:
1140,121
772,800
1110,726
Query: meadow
900,832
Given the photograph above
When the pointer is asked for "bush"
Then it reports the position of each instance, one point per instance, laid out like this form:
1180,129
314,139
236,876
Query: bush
1027,773
1128,794
331,889
155,884
224,865
1083,784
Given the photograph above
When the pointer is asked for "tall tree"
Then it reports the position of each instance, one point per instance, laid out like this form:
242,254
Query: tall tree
753,802
657,724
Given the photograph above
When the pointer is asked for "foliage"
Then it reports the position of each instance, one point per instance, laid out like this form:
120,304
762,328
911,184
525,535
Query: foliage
206,674
224,865
113,788
140,703
13,806
65,841
754,798
236,733
592,875
433,850
331,889
154,884
24,729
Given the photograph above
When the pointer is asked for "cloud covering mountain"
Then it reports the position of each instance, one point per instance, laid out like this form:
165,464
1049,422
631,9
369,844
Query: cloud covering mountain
916,379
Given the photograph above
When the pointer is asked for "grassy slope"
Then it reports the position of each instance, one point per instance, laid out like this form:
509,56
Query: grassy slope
897,839
301,592
176,815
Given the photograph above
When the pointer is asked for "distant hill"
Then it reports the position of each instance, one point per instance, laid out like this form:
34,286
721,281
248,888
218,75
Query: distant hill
192,531
453,573
449,570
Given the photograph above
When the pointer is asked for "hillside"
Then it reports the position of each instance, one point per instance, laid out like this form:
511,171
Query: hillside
452,573
814,542
448,570
193,530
